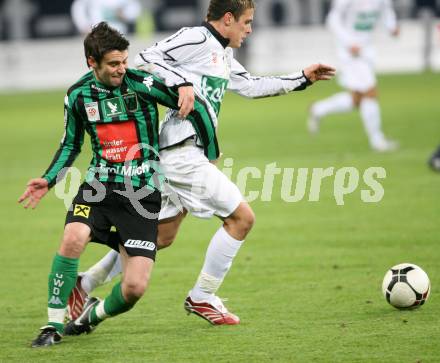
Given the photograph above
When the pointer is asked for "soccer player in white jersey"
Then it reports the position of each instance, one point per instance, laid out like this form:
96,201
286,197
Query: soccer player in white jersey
352,23
202,56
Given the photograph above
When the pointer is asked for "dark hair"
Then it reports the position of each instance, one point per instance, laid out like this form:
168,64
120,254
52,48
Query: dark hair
103,39
218,8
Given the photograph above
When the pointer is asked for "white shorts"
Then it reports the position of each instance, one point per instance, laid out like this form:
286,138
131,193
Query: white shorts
195,184
357,74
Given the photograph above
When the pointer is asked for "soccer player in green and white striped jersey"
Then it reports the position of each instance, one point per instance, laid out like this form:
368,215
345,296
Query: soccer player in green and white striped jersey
117,107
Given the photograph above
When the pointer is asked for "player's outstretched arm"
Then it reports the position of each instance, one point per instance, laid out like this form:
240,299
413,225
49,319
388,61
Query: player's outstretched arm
36,189
319,72
389,18
246,85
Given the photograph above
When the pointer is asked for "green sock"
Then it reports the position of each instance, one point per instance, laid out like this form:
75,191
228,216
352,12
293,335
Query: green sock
113,305
62,279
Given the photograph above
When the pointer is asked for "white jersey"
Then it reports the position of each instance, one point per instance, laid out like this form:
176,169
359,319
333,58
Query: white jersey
353,22
86,13
200,55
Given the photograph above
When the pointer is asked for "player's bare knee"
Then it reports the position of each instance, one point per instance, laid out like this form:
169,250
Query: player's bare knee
247,220
241,221
165,241
133,290
72,244
371,93
167,230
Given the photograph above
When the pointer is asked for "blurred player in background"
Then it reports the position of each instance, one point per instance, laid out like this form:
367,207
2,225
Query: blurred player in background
117,107
119,14
203,56
352,23
434,160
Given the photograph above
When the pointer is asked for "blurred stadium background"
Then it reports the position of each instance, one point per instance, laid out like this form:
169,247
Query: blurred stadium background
288,34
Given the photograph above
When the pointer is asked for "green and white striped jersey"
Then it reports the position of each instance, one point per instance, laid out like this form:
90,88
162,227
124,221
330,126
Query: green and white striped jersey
123,127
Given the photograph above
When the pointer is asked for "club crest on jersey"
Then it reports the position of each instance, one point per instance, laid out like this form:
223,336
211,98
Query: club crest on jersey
148,81
112,107
131,102
92,111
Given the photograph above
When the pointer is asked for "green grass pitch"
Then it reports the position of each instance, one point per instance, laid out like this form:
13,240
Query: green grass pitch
307,282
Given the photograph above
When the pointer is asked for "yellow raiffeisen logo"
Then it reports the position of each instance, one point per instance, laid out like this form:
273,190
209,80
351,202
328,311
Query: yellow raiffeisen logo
81,210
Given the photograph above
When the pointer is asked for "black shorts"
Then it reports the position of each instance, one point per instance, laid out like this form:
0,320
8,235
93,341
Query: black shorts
135,221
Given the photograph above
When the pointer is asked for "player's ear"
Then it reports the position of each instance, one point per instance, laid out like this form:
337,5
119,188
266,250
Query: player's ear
91,62
228,18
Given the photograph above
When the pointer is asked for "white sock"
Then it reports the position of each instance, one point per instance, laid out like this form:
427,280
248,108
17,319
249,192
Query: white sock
100,311
56,315
101,272
218,260
338,103
116,269
370,113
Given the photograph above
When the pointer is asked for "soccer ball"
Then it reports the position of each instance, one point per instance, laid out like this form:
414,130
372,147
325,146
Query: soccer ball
406,286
